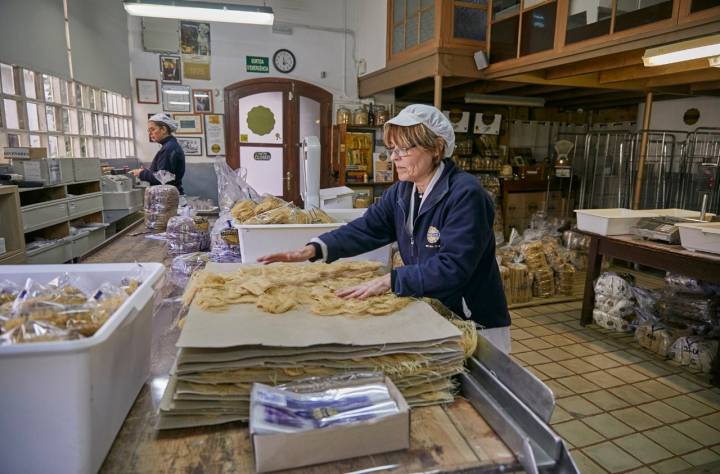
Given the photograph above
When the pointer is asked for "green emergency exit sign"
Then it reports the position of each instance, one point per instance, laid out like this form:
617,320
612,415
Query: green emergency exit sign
257,64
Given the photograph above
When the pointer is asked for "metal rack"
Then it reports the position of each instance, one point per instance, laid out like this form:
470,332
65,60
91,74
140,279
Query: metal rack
699,170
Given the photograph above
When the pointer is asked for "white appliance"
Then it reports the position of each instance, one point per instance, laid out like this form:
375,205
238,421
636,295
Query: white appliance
310,171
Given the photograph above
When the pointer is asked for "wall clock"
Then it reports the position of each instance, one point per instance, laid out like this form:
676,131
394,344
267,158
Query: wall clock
284,60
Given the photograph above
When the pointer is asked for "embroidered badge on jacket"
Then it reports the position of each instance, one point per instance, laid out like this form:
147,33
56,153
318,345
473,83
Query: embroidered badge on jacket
433,235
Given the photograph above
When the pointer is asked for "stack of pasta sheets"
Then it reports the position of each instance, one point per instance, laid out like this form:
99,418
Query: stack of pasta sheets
222,353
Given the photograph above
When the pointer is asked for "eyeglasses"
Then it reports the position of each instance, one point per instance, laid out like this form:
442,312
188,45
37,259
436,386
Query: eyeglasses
400,152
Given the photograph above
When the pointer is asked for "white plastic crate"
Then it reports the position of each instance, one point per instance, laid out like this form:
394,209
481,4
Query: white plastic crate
704,237
345,215
610,221
259,240
64,402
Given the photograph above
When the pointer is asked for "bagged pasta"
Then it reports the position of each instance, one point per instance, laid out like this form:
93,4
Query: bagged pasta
656,338
183,266
232,186
161,202
614,306
695,307
186,234
224,242
695,352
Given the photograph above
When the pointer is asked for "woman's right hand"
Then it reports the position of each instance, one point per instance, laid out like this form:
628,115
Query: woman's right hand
300,255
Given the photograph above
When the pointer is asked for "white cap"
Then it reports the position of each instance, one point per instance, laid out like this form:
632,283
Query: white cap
432,118
166,119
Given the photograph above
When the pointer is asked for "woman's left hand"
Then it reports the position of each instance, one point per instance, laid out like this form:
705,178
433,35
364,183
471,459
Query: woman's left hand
375,287
136,172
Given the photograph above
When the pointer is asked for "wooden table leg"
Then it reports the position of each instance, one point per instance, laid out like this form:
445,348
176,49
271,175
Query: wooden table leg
593,271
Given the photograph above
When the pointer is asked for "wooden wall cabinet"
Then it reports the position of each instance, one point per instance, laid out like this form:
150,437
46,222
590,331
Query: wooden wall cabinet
11,228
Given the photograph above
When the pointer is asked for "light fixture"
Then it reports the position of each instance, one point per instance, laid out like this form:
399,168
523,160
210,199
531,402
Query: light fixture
684,51
714,62
201,11
475,98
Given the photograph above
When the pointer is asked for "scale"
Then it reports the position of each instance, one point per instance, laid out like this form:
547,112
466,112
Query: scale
660,228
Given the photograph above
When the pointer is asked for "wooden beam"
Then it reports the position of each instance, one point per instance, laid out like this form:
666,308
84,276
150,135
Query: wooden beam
574,94
643,150
538,91
600,100
705,86
631,73
627,58
437,95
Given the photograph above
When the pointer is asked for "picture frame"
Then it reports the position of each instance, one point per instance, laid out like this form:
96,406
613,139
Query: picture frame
214,134
202,101
189,124
176,98
147,91
171,68
192,146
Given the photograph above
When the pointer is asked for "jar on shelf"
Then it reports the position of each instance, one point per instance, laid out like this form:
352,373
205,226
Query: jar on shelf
360,116
382,115
343,115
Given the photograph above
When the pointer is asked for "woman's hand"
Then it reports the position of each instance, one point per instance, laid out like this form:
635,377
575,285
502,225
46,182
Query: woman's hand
375,287
300,255
136,172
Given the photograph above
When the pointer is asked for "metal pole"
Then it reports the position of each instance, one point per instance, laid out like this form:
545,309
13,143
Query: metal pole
643,150
437,97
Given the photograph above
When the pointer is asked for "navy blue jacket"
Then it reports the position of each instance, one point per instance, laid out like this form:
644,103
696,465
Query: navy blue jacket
170,157
451,254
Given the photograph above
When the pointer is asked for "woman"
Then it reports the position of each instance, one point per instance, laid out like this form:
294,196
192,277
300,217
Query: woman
170,157
442,220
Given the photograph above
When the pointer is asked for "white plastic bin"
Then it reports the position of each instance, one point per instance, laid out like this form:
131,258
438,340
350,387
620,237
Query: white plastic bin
610,221
345,215
336,198
63,403
259,240
704,237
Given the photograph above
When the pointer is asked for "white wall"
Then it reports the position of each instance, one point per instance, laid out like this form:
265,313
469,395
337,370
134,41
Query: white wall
668,114
369,18
316,50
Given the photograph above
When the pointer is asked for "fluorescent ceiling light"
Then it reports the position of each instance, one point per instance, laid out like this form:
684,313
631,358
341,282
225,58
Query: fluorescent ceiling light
684,51
474,98
714,62
200,11
177,92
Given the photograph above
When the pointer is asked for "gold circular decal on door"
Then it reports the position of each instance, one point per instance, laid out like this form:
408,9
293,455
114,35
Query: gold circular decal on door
261,120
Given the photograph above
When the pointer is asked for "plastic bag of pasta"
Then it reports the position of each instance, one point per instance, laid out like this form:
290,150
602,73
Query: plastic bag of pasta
161,201
186,234
695,352
224,241
232,185
183,266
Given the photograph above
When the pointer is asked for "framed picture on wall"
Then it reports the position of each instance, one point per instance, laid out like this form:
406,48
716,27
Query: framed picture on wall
147,91
214,134
176,98
170,68
189,124
202,101
192,146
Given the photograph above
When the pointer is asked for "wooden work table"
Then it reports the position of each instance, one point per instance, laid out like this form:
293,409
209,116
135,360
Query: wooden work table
671,258
449,438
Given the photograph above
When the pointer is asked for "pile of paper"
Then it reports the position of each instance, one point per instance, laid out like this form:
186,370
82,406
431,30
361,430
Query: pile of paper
221,354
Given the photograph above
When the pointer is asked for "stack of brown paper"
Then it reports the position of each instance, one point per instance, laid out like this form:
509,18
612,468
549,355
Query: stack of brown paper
221,354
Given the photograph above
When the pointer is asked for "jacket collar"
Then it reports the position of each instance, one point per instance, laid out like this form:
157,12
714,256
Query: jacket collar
166,139
437,193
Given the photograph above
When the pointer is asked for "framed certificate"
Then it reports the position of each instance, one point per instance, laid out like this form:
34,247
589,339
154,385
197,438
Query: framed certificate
214,134
176,98
188,124
147,91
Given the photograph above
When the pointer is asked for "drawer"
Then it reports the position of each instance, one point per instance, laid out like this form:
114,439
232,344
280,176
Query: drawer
96,237
60,253
37,216
86,169
132,200
80,244
85,204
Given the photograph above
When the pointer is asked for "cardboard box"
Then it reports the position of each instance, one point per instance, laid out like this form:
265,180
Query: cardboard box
24,153
274,452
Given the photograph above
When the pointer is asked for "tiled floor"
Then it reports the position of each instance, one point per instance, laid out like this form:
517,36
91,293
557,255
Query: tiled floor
620,408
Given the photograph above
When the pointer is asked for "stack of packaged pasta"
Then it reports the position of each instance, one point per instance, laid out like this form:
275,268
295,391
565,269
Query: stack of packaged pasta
283,322
187,234
614,307
543,277
161,202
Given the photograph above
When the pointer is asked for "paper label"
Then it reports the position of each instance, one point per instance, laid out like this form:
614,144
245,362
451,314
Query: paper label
32,171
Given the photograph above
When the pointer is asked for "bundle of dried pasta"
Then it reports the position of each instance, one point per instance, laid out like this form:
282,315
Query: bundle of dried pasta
505,278
520,283
243,210
543,283
658,339
534,255
269,203
564,279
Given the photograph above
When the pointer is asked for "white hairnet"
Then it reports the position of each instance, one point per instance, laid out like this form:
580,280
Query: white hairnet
166,119
432,118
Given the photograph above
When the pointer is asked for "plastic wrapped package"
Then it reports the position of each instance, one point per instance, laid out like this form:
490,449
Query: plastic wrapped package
612,284
656,338
61,310
505,278
534,255
610,321
243,210
183,266
232,186
695,352
684,284
187,234
614,306
695,307
565,279
507,254
161,202
283,409
574,240
224,241
520,283
543,283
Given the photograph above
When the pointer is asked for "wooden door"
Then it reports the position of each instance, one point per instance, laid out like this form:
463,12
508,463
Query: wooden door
266,119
